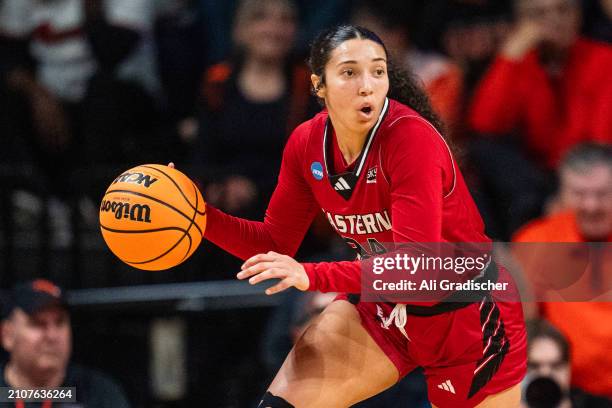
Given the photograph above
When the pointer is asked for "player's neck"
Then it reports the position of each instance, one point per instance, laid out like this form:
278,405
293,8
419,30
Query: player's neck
349,142
16,378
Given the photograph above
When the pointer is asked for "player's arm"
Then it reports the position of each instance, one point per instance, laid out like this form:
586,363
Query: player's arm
288,216
418,171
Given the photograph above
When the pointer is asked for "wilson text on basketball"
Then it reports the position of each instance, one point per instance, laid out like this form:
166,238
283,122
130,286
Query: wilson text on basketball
134,212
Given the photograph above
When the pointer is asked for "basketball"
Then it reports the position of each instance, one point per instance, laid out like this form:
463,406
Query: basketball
152,217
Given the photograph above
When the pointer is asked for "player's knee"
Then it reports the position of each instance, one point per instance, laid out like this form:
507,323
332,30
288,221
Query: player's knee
321,337
270,400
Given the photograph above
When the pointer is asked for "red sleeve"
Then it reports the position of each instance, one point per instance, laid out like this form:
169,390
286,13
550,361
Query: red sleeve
419,168
497,101
290,211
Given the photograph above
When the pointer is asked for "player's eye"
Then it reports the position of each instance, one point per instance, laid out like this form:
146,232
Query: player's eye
348,72
379,72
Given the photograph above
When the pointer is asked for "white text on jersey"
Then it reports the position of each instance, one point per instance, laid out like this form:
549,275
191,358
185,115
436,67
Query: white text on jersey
360,224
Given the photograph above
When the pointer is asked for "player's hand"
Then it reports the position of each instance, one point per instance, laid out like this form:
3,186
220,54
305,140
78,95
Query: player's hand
273,265
171,165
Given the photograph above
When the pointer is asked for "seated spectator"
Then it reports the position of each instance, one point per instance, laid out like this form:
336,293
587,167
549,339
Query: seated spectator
441,78
548,372
584,214
545,92
547,83
37,335
251,104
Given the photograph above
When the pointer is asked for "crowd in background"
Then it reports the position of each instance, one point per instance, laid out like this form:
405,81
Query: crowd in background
89,88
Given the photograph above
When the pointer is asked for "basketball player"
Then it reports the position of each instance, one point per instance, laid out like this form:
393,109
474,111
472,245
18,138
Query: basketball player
376,150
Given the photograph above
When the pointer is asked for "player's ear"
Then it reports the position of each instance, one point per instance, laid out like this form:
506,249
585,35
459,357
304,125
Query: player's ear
317,85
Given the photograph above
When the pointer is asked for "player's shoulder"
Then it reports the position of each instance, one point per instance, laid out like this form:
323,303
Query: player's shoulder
403,125
302,133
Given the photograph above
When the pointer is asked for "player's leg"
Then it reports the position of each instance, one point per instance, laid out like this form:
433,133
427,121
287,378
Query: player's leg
335,363
509,398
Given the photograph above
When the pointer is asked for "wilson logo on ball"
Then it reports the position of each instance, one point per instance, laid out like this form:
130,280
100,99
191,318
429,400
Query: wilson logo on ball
134,212
136,178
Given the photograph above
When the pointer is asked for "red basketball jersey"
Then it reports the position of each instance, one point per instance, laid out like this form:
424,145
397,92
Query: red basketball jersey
404,187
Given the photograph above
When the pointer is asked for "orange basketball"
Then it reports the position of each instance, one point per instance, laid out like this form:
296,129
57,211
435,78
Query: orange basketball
152,217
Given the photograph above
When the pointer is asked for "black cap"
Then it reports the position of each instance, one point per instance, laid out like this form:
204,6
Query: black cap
34,296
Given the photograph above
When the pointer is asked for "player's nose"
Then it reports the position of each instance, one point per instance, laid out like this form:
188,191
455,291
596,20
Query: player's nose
366,86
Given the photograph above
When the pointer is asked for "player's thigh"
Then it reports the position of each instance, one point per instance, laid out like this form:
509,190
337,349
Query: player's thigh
335,363
509,398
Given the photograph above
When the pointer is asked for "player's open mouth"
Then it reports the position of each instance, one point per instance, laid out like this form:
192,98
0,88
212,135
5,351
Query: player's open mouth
366,111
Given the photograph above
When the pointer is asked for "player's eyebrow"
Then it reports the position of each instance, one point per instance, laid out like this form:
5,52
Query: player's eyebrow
355,62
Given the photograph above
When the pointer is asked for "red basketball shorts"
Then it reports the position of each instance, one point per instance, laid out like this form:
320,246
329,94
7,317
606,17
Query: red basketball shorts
467,354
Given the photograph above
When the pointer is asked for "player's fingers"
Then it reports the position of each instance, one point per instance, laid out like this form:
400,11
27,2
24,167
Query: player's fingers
279,287
255,259
255,269
171,165
271,273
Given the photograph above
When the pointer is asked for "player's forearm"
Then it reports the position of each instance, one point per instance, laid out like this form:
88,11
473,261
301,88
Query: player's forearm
239,237
334,276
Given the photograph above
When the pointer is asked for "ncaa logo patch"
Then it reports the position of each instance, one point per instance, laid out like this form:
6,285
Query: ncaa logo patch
317,170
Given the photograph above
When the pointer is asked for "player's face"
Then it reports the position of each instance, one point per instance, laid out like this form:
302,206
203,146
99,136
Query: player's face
40,342
356,84
590,195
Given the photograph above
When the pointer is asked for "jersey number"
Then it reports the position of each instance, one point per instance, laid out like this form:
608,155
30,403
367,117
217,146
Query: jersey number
376,248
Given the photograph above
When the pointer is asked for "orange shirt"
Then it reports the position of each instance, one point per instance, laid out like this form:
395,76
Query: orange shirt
587,325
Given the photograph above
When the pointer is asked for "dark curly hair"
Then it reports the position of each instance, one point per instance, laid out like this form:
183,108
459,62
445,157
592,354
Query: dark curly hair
402,85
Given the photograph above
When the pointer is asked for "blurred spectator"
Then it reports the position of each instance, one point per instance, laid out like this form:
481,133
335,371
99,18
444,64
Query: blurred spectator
547,83
251,104
598,20
547,383
546,88
36,333
585,215
314,15
441,78
81,75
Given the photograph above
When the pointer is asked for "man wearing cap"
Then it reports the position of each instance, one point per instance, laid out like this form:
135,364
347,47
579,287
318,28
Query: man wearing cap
37,335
